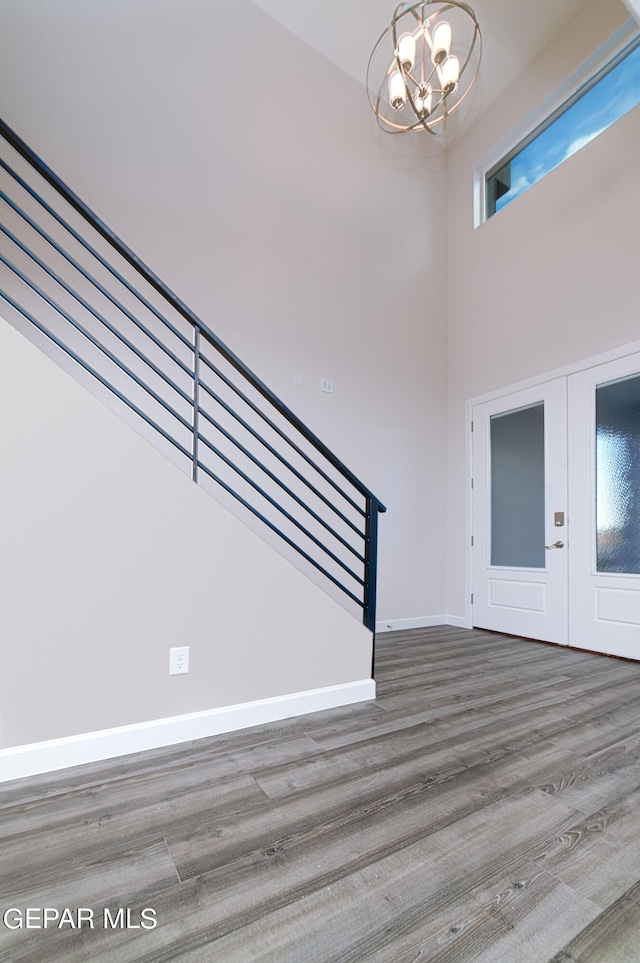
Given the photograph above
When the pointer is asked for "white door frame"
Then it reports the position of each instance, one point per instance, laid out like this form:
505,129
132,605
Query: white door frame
614,354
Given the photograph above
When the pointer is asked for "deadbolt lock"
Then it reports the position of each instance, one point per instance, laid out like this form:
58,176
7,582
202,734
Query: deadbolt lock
558,519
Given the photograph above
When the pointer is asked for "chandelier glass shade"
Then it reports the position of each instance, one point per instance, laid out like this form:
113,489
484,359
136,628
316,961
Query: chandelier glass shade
424,65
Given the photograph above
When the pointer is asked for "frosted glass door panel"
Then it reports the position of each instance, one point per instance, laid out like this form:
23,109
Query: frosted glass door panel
518,488
618,477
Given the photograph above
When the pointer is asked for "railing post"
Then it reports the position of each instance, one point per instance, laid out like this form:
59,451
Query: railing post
196,402
370,563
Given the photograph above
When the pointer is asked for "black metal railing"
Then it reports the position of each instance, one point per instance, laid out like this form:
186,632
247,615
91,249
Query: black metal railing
93,301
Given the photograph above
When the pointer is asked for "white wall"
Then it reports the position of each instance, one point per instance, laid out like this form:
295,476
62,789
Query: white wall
275,209
110,555
551,279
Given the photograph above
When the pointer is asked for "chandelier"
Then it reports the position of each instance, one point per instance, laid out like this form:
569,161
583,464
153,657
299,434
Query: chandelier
424,65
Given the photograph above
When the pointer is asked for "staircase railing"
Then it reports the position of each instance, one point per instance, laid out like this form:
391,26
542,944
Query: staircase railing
88,295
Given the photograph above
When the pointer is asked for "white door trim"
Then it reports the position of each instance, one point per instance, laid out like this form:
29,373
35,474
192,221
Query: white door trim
613,354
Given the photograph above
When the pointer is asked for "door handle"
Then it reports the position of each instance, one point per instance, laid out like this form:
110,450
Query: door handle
557,544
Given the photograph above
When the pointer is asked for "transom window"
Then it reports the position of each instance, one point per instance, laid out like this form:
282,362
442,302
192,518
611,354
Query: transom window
606,97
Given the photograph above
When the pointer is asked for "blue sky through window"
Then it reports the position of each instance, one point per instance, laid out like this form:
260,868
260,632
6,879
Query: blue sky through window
609,99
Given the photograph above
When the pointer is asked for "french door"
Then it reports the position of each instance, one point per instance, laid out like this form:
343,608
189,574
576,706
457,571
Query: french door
519,575
556,510
604,493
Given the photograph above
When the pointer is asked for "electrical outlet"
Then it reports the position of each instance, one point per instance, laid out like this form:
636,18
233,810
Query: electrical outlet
179,660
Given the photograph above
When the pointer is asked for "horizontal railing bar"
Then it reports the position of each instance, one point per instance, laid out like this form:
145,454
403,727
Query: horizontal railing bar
281,433
96,343
96,314
88,247
87,367
282,535
89,277
19,145
278,481
289,416
294,521
276,454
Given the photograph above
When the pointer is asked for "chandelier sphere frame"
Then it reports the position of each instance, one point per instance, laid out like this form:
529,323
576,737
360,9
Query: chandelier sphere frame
430,69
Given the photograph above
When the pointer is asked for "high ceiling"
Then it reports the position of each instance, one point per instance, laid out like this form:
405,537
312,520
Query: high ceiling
344,31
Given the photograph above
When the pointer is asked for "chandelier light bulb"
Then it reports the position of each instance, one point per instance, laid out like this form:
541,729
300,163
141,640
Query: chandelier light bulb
407,51
397,91
441,42
450,74
423,100
428,100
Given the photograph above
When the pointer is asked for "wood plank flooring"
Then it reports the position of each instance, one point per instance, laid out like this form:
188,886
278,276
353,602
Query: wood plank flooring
484,809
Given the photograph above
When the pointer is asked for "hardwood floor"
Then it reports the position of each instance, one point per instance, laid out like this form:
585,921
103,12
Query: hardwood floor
486,808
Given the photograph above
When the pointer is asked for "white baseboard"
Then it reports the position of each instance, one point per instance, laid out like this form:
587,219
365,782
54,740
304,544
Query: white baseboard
396,625
459,621
41,757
